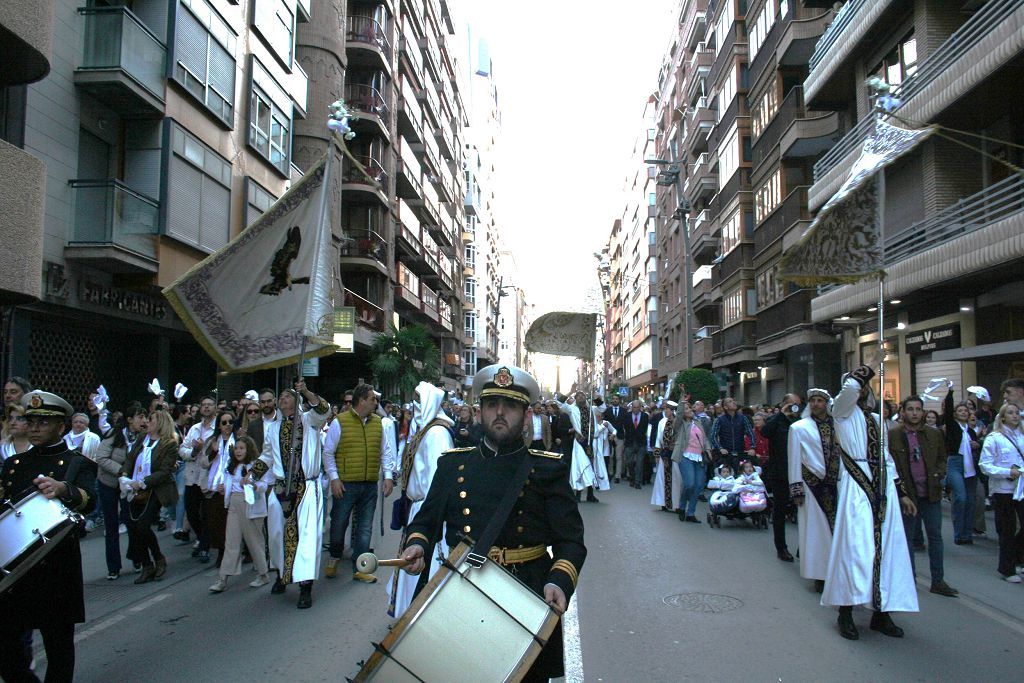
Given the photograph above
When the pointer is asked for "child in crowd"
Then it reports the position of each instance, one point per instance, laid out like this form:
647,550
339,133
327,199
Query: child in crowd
247,506
748,478
723,480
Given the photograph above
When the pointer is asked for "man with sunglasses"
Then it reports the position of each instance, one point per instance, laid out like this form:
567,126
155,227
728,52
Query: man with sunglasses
49,597
195,476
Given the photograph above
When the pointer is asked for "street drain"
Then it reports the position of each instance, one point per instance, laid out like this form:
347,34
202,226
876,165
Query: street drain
707,603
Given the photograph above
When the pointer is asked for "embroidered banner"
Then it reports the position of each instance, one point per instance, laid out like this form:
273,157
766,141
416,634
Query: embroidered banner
250,304
564,334
843,244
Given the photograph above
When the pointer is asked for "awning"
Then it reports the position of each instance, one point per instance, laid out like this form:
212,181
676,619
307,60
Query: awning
1009,348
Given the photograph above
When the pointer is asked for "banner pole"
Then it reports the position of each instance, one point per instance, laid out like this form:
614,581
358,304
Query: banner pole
883,430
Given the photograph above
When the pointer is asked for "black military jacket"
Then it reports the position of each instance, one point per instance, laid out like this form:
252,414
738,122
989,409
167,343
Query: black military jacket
467,489
51,592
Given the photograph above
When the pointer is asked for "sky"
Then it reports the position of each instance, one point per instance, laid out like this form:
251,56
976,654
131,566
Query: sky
572,82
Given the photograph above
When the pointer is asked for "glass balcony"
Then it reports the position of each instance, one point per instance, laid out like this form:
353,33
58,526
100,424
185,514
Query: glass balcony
365,244
368,314
123,62
115,227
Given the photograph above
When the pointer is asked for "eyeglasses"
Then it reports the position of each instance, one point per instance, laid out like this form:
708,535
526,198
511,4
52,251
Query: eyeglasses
225,423
251,411
347,400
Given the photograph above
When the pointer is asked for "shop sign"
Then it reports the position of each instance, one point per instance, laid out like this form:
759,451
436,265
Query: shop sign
933,339
311,367
122,300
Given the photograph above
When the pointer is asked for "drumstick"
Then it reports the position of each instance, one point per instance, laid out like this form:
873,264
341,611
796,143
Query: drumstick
367,563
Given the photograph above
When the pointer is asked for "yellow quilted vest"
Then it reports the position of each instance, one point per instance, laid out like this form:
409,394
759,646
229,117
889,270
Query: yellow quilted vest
358,450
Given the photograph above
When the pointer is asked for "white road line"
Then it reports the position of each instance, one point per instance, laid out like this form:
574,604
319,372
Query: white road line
117,618
573,655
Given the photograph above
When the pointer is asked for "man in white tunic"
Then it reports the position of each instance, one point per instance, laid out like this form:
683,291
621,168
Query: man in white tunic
869,563
813,475
431,437
581,473
667,483
295,509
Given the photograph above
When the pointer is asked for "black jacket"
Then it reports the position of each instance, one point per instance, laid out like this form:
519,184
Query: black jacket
636,436
776,430
617,421
655,419
475,430
952,429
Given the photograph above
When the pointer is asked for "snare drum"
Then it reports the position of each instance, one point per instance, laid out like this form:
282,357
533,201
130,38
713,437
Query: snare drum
471,624
29,529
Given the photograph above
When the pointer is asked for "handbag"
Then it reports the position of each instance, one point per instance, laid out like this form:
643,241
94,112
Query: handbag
400,512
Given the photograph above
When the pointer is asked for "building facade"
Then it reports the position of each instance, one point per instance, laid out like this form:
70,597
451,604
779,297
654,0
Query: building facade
168,127
514,314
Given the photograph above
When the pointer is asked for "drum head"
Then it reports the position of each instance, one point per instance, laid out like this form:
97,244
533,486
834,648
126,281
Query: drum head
31,557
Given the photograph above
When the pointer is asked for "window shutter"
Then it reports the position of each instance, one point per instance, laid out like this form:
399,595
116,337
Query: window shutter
191,44
183,195
222,72
215,208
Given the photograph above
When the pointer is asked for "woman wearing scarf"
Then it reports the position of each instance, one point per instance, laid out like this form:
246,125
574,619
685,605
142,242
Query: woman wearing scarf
1002,459
216,452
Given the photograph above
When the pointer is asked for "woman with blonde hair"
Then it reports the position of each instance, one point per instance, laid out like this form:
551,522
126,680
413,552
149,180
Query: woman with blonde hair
15,432
1002,459
149,470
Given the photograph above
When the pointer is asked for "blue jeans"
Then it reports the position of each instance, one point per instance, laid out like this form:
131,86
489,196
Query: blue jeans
963,498
931,515
693,483
359,502
110,501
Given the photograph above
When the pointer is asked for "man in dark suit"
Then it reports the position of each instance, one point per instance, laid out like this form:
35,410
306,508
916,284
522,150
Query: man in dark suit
635,434
616,416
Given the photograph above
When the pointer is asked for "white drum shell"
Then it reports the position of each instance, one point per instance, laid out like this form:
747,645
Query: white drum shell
19,527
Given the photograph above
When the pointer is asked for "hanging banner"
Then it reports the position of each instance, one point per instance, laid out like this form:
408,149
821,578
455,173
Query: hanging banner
564,334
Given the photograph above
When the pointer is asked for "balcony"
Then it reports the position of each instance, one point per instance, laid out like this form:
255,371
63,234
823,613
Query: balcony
735,343
790,313
366,42
369,181
408,173
410,61
368,314
792,209
800,37
364,250
370,106
702,352
115,228
737,259
703,239
443,138
765,144
407,291
444,313
472,200
949,249
702,184
702,295
407,233
410,116
428,303
428,97
696,25
698,68
427,151
427,209
699,124
726,54
123,63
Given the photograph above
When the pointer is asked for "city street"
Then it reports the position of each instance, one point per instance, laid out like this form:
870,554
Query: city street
657,601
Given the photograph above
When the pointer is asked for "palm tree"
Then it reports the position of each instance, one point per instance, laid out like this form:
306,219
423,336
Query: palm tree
403,358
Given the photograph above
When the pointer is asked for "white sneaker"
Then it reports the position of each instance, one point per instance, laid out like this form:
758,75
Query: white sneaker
90,525
1012,578
261,580
122,529
220,586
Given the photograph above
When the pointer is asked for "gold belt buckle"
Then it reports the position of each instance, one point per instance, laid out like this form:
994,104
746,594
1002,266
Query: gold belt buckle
497,555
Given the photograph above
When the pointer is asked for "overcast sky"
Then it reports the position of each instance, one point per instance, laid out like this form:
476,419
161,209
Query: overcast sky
572,81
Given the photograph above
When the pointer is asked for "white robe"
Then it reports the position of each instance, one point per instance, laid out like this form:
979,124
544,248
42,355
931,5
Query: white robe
435,442
581,470
814,534
600,449
310,514
661,466
849,577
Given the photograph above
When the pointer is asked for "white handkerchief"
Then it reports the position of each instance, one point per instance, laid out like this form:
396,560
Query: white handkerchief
179,391
155,388
249,493
980,392
1018,492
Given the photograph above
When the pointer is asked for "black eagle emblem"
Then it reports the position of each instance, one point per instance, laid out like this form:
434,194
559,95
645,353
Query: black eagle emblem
280,277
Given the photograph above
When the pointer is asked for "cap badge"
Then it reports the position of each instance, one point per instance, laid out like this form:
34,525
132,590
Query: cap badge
503,378
36,401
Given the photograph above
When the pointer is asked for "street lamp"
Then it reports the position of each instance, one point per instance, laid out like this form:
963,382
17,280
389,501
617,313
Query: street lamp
666,178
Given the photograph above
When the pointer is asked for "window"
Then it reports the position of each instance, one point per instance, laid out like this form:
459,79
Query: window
471,255
768,196
764,111
731,233
728,90
728,156
470,286
469,358
724,24
204,54
469,319
900,63
257,201
198,207
770,288
275,21
270,120
760,27
733,306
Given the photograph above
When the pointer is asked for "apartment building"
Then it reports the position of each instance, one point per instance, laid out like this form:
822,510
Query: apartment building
480,237
513,314
954,242
167,127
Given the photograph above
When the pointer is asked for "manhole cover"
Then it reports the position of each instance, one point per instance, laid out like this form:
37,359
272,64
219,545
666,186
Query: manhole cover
704,602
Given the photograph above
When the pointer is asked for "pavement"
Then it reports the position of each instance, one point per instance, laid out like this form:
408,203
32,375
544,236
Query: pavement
658,600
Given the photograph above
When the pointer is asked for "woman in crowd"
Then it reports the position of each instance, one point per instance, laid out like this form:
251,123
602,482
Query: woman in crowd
760,444
81,438
961,468
149,467
244,518
1002,459
467,433
110,457
216,453
931,418
15,432
689,457
404,426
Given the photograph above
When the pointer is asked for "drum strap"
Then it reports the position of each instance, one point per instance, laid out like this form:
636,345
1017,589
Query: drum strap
493,528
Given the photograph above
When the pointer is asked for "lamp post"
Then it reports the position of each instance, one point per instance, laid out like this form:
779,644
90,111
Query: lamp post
672,175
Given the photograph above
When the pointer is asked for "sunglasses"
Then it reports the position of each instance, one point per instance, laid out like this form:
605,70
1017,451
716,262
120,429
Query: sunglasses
224,423
347,400
251,411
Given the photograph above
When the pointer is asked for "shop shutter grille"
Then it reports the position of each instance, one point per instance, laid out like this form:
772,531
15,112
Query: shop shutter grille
63,362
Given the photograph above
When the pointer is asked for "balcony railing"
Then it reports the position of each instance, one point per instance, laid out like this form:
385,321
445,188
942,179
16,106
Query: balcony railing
368,30
842,21
108,213
374,174
366,98
736,259
792,209
793,311
365,244
117,40
993,204
742,335
791,108
368,314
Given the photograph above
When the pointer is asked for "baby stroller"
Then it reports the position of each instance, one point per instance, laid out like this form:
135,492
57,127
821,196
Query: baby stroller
736,502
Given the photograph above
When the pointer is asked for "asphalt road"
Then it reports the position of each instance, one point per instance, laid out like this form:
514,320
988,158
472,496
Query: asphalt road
658,600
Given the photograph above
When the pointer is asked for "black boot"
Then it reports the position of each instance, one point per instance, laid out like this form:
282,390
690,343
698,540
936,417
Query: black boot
305,595
785,555
846,627
681,514
692,519
882,622
591,498
578,493
278,586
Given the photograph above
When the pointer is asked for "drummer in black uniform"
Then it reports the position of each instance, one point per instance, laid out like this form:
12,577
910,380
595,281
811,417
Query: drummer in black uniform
50,596
467,489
